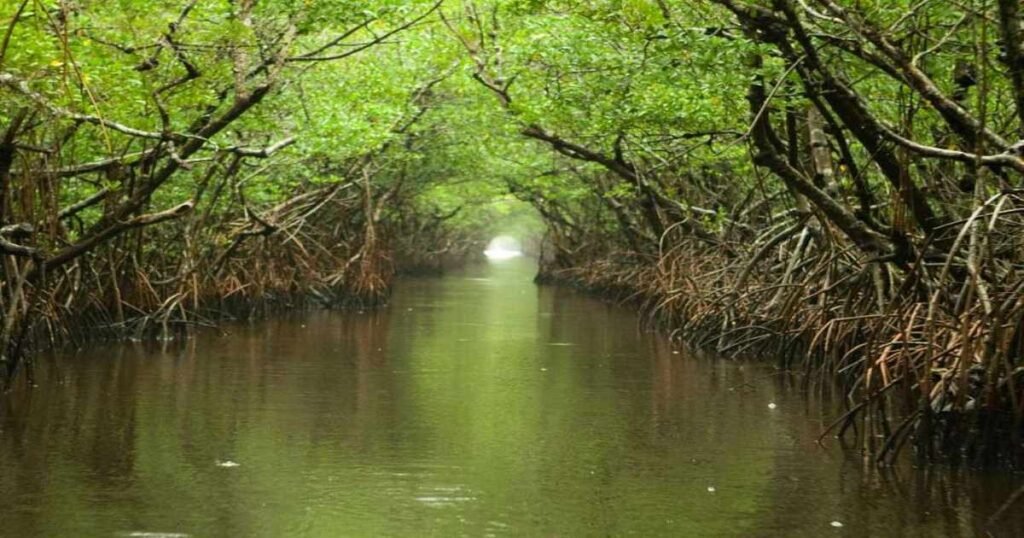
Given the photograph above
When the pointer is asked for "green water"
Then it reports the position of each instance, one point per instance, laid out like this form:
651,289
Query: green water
477,404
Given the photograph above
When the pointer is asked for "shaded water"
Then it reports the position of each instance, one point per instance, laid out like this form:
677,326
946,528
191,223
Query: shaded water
476,405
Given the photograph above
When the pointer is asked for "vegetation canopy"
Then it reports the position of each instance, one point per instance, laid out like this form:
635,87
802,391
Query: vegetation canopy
832,184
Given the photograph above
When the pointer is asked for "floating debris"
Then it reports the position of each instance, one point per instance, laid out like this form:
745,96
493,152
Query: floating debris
228,464
772,405
836,524
711,489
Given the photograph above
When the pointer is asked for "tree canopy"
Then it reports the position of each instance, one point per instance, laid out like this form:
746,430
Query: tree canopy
802,178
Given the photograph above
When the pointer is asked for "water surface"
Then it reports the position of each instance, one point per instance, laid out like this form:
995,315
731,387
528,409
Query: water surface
476,405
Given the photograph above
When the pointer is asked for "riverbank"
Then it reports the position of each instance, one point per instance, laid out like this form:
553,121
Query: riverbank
900,392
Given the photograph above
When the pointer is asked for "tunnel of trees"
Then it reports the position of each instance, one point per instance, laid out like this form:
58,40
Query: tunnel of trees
829,184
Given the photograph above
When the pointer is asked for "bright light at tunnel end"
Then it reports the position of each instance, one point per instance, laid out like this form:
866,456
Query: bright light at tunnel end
503,248
501,254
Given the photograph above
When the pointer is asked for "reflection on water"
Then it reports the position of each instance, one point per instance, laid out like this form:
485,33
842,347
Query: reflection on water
476,405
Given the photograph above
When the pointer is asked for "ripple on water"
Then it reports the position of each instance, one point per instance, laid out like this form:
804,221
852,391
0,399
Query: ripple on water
445,496
145,534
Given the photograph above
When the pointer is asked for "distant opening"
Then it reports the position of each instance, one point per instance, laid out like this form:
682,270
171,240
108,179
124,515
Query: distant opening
503,247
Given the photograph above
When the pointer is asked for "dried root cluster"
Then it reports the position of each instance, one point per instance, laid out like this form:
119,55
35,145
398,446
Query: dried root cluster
928,353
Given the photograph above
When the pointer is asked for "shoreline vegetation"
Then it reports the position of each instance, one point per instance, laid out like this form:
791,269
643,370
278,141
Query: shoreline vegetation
832,185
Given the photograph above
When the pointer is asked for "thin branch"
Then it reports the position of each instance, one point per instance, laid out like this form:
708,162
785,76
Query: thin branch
314,56
20,86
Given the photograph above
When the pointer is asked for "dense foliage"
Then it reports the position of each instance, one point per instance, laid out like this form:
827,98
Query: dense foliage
832,183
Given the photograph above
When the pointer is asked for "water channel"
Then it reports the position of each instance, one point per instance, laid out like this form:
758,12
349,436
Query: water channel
477,404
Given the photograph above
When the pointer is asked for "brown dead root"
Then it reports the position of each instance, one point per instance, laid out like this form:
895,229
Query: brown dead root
924,358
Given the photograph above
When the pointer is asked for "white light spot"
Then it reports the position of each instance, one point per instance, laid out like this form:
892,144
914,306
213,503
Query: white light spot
227,464
711,489
503,247
501,254
772,405
837,524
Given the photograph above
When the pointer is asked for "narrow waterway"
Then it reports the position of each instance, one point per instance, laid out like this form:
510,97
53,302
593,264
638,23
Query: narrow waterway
477,404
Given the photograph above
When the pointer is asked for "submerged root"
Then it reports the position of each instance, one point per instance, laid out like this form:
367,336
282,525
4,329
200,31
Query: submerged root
315,250
928,358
